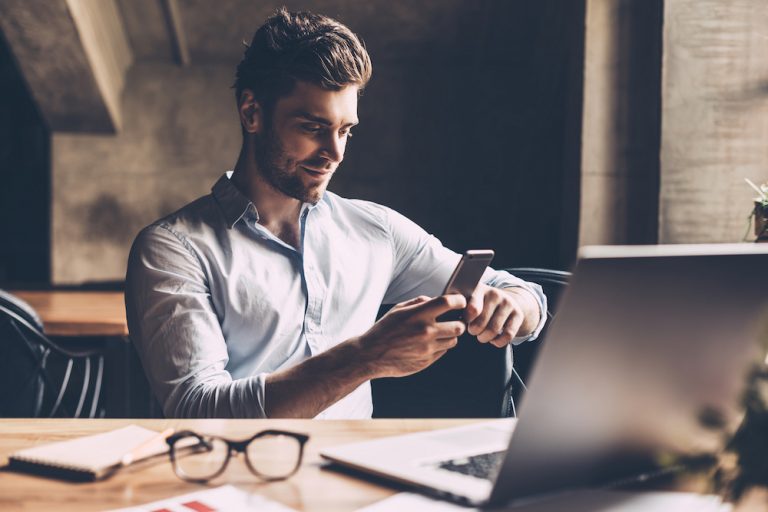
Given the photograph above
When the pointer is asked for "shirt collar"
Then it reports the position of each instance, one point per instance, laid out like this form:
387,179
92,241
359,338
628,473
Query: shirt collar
233,204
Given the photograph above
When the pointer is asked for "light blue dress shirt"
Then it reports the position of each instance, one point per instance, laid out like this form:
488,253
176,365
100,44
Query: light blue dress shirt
215,301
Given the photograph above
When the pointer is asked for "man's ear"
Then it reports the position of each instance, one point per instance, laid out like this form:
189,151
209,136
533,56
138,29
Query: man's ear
251,113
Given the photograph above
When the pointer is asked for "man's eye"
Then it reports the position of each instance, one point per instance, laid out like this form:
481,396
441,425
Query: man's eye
346,133
311,128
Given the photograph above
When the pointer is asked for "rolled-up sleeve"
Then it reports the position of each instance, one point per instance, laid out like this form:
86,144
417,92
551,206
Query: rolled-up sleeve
177,333
423,266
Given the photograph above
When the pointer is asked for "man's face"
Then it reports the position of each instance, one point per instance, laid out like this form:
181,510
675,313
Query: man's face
304,143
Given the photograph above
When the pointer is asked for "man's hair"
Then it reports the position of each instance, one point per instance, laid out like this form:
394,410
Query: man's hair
293,46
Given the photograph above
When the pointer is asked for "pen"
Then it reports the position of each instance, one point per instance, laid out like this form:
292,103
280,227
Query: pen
136,452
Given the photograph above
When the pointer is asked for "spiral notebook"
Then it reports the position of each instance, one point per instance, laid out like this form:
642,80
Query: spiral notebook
91,457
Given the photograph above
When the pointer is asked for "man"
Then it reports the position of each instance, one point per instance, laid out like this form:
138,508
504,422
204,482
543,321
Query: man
259,300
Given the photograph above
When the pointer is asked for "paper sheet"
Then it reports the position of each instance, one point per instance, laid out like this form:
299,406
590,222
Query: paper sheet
226,498
96,452
409,501
581,501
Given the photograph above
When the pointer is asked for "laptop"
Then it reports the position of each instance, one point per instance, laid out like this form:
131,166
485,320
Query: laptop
650,348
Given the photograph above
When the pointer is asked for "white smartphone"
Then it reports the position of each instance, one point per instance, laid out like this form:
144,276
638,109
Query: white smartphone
466,277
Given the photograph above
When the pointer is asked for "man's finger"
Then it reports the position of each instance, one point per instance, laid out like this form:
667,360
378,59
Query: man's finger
414,301
447,344
475,305
439,305
478,326
495,325
500,318
511,328
450,329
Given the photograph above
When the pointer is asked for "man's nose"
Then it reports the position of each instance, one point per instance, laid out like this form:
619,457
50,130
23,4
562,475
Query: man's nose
333,148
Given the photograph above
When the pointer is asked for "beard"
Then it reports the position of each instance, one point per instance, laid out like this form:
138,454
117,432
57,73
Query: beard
282,172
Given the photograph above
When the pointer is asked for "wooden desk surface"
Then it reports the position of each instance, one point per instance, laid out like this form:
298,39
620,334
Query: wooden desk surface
311,489
76,313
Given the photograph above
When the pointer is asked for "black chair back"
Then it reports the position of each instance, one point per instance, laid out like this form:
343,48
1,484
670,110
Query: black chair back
39,377
522,357
21,308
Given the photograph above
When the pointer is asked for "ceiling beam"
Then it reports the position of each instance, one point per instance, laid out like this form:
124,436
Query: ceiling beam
176,32
73,55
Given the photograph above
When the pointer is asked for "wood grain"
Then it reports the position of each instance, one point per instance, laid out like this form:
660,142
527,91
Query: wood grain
72,313
311,489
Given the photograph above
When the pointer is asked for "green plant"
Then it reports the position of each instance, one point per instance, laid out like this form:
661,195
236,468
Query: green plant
759,213
762,192
748,465
744,464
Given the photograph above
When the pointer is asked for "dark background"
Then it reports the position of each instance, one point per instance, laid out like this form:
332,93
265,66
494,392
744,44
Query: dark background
472,131
487,134
26,180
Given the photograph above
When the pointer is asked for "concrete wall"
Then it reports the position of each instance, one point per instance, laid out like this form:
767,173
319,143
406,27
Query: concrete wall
620,131
180,132
715,117
468,125
464,129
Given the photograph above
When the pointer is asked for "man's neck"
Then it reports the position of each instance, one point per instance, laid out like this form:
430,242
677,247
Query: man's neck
277,212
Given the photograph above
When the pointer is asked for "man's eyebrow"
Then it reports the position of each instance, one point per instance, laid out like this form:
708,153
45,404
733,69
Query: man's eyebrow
318,119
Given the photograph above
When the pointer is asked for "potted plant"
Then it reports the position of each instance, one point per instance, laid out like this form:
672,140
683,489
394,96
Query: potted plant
760,211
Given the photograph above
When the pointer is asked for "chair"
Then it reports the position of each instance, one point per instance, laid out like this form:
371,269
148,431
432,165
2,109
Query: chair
467,382
39,377
521,358
472,379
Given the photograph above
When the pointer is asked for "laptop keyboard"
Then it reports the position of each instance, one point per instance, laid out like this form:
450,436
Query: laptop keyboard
484,465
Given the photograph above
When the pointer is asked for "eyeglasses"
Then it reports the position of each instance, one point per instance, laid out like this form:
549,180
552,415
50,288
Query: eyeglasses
270,455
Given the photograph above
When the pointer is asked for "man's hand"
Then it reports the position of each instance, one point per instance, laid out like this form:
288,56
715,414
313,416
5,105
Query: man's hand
405,340
409,338
498,315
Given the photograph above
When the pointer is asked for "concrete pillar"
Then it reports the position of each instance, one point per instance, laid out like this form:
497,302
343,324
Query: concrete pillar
620,127
715,117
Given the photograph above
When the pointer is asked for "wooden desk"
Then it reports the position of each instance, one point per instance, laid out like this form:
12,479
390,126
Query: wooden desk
311,489
74,313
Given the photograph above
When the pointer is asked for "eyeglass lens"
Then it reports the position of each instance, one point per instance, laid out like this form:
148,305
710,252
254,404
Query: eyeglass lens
200,460
270,456
274,456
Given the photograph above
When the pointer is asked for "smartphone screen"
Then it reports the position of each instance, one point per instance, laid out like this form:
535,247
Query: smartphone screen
466,277
468,272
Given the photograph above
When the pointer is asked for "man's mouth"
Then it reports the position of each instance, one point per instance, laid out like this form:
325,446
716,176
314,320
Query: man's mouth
317,173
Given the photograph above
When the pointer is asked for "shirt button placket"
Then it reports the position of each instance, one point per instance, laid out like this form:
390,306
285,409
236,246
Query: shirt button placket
314,306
